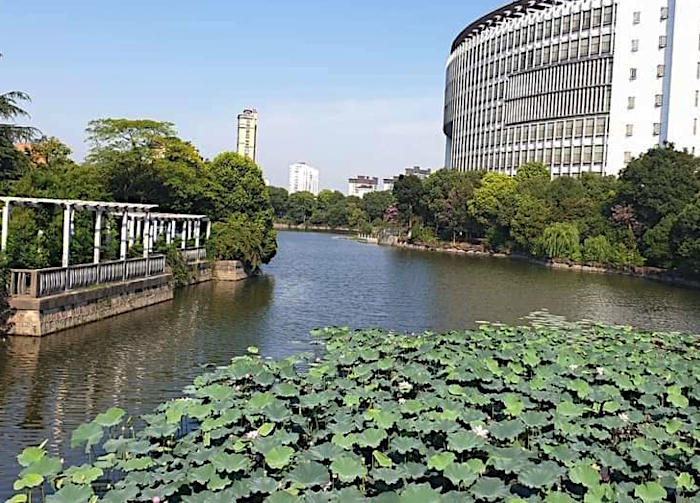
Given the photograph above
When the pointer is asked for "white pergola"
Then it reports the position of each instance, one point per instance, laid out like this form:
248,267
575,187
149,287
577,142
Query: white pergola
136,220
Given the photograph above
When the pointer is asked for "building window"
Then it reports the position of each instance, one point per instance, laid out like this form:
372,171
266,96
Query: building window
664,13
635,45
660,71
697,98
631,102
657,129
637,17
629,130
662,42
633,74
628,157
598,154
659,100
608,15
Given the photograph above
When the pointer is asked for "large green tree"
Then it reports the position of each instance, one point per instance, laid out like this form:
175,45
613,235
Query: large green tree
408,192
279,199
375,204
301,207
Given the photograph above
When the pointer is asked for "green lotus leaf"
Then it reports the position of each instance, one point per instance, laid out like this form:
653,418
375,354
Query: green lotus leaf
137,464
258,401
348,469
323,452
686,482
71,494
89,434
559,497
46,467
309,474
345,441
18,498
85,474
570,409
230,463
514,405
382,459
460,474
202,474
413,470
406,444
650,492
584,475
673,426
349,495
546,474
31,455
489,489
286,390
611,407
389,476
422,493
262,484
276,412
281,497
217,482
582,388
28,481
534,419
441,461
412,406
371,437
110,418
279,457
507,430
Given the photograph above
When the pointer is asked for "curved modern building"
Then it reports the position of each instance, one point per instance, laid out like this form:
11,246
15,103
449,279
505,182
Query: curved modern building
580,85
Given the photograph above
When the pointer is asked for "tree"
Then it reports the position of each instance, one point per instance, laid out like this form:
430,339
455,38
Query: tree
279,199
125,150
301,207
338,215
240,237
560,241
530,219
408,191
533,179
375,204
660,183
685,238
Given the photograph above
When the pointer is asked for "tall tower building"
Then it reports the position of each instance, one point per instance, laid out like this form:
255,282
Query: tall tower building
303,178
248,134
580,85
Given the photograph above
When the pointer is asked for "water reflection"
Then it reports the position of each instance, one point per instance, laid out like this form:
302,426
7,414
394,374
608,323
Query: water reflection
48,386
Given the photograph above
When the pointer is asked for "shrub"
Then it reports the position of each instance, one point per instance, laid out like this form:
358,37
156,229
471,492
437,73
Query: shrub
573,413
560,241
251,240
597,249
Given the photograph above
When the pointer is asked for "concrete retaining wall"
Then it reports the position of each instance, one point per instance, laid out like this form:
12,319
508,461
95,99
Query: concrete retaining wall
39,317
201,272
230,270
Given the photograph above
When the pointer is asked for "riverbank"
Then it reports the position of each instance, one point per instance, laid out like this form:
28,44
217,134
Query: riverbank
281,226
650,273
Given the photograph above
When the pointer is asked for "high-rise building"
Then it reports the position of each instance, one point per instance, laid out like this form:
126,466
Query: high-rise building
248,134
361,185
580,85
303,178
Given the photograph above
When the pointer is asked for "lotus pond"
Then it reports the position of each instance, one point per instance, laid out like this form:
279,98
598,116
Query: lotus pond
546,412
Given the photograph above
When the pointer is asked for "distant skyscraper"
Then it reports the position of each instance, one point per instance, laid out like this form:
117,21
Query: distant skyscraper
303,178
248,134
361,185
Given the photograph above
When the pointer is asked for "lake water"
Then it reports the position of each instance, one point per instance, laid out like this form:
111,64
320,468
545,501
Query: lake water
49,386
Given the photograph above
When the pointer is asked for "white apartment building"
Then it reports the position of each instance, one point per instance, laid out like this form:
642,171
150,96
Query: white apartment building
247,140
581,85
303,178
361,185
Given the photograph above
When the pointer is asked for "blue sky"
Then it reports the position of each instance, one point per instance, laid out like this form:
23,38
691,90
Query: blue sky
351,87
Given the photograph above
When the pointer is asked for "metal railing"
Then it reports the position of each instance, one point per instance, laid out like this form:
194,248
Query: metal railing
194,254
44,282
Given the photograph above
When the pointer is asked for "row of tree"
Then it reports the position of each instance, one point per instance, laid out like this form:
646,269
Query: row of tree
650,215
128,161
330,209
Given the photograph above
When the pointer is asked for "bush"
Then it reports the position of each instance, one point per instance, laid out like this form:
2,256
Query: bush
250,240
564,414
560,241
597,250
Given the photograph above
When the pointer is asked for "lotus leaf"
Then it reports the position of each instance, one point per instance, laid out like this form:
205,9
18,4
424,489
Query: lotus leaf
348,469
650,492
546,474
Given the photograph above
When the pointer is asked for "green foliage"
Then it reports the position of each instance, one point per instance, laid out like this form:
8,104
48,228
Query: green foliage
252,240
597,250
685,238
301,207
497,414
375,204
408,192
560,241
279,199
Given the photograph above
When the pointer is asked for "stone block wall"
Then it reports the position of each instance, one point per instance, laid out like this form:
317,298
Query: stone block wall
230,270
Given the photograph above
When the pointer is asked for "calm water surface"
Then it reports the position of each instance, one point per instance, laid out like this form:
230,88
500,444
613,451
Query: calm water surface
48,386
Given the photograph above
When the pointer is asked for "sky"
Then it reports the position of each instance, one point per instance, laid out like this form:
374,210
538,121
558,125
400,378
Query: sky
349,86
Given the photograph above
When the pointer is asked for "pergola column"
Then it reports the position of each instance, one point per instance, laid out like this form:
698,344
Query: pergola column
168,232
208,229
132,231
124,235
183,245
146,237
196,234
98,237
5,224
67,221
